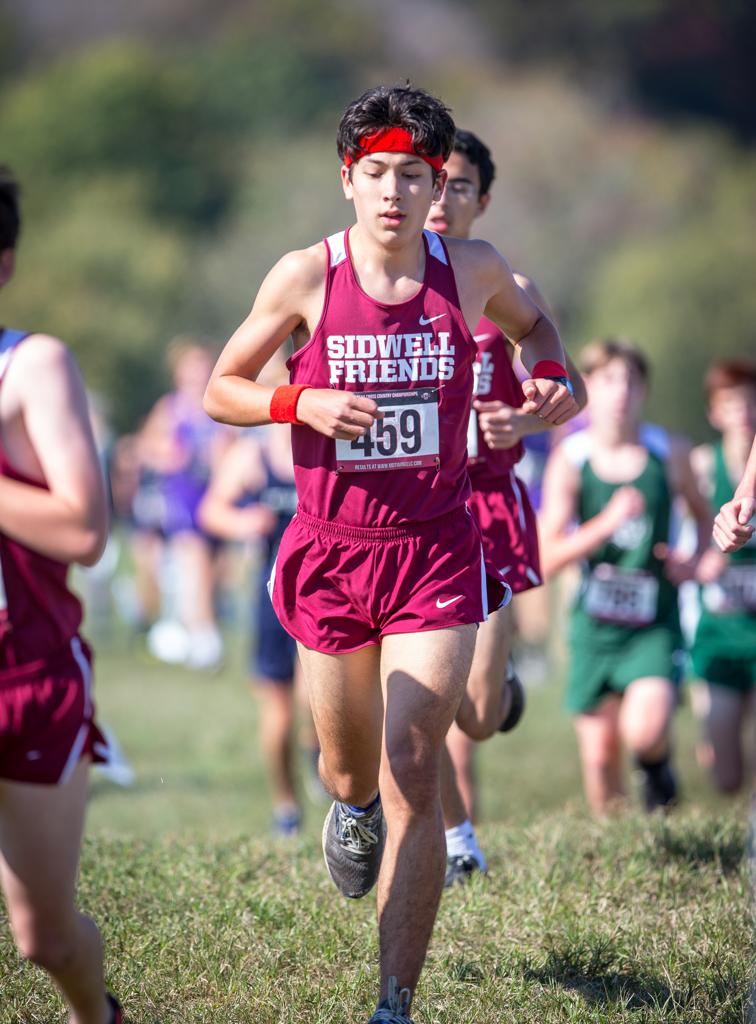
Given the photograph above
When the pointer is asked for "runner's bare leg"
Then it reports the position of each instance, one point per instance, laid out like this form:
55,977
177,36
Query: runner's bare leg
40,840
422,677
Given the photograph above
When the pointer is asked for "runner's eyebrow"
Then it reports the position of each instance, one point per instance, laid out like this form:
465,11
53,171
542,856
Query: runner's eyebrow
462,178
404,163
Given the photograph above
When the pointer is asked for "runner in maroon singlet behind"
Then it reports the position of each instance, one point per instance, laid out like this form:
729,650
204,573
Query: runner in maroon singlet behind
494,698
53,512
380,576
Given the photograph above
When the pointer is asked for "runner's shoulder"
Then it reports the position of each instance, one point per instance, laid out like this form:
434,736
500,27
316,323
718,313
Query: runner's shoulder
302,269
575,449
38,358
477,256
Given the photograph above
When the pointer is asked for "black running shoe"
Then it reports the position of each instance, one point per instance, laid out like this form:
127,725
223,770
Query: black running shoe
353,848
460,869
659,785
116,1010
395,1009
517,705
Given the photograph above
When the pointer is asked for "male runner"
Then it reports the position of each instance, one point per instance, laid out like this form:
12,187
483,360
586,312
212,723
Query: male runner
494,698
380,576
53,511
252,496
724,649
617,479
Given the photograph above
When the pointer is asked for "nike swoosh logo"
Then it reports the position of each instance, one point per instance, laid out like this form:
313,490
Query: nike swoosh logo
424,322
481,337
443,604
505,570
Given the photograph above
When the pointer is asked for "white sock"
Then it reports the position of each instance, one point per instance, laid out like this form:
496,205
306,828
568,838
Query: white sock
462,840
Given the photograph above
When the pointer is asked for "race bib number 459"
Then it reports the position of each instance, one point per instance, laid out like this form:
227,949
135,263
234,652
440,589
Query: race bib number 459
405,438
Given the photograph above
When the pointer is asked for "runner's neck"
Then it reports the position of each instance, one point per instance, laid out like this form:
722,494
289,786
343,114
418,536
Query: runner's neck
379,270
616,435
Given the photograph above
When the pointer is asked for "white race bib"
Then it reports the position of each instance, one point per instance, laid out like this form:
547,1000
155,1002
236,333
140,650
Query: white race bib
627,597
734,591
406,437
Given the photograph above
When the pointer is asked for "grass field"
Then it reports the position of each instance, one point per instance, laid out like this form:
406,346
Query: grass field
206,919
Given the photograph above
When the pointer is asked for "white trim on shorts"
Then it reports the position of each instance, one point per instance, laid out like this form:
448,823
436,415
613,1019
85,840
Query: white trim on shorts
483,584
81,736
272,579
518,498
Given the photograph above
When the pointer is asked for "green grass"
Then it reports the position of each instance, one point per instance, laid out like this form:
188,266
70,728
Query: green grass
208,920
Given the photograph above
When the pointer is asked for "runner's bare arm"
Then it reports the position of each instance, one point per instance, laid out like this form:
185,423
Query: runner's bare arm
560,543
681,567
289,297
523,322
731,525
240,472
68,522
503,426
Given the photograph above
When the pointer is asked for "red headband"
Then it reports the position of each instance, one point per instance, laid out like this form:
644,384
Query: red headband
392,140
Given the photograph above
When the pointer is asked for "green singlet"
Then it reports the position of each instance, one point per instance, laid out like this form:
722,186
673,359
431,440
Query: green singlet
724,650
625,622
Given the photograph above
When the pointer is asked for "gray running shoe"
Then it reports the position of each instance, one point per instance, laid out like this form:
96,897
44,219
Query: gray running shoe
395,1009
353,848
460,869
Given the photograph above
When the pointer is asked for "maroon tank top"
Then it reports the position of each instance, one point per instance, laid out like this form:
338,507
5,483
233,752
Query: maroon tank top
415,359
495,381
38,613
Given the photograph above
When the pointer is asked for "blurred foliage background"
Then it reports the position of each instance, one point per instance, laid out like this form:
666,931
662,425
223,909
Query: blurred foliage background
171,150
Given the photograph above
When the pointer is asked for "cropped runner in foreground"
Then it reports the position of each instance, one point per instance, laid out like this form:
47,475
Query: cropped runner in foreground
724,649
53,512
617,481
494,699
380,576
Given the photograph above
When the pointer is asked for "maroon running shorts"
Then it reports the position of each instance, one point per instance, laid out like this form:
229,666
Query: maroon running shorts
47,718
510,534
337,588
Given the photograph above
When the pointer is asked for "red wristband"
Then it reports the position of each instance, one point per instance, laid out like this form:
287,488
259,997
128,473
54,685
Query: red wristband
283,404
549,368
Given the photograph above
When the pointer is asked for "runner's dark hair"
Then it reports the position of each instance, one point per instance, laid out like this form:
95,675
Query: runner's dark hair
479,155
598,353
425,117
10,216
730,373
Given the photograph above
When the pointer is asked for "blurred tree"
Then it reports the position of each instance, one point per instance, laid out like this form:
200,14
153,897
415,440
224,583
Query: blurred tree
686,297
678,58
120,109
107,279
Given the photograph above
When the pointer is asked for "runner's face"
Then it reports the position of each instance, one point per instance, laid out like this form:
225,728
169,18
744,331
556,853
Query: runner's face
616,393
456,209
392,193
733,410
193,372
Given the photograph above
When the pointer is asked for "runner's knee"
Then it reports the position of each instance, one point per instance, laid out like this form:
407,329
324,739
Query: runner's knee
346,785
479,719
410,779
600,752
644,736
49,948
